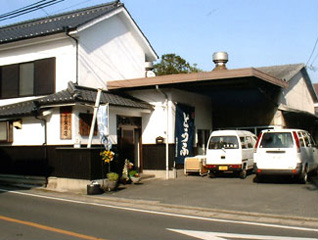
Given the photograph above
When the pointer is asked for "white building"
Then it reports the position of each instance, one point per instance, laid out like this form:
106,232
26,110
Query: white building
50,72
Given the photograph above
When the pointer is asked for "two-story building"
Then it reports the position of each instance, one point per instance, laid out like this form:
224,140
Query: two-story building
50,73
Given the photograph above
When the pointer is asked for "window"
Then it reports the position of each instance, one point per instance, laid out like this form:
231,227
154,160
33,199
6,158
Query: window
277,140
226,142
26,76
250,142
27,79
243,142
85,124
6,132
306,139
301,139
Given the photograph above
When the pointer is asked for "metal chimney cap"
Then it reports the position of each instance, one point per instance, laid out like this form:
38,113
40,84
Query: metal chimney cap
220,56
148,65
220,59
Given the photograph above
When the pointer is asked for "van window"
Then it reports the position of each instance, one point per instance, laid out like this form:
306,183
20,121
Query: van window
250,142
226,142
243,142
306,139
277,140
301,139
247,142
312,141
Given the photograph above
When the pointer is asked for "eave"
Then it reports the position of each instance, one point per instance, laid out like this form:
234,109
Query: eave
197,77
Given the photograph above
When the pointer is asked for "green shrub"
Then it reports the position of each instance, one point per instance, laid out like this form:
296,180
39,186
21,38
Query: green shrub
112,176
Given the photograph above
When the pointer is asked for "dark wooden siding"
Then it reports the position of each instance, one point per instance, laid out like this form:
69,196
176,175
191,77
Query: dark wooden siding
48,161
154,156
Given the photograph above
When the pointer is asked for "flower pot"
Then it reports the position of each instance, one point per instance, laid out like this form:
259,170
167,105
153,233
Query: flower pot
93,189
111,186
135,179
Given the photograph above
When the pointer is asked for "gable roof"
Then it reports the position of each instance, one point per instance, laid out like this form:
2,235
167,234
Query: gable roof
55,23
287,72
74,94
283,72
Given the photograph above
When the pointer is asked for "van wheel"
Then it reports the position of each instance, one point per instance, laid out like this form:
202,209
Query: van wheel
258,179
243,174
304,176
211,174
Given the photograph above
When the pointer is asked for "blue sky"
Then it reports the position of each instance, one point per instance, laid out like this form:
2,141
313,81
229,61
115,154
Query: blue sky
254,33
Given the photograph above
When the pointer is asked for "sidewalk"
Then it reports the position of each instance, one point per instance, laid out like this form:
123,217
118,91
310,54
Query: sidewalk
228,198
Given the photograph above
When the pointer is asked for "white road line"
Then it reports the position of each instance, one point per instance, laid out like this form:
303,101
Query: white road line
221,236
162,213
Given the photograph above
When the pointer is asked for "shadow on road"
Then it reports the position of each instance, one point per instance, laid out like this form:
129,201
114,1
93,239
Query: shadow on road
311,185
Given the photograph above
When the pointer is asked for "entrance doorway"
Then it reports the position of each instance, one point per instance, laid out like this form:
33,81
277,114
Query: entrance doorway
129,140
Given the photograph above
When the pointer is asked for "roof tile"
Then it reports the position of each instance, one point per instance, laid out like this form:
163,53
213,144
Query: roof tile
73,94
55,23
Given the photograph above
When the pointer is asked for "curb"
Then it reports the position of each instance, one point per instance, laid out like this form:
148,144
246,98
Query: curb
211,213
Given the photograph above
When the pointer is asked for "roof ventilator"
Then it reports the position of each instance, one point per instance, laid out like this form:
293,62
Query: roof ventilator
220,59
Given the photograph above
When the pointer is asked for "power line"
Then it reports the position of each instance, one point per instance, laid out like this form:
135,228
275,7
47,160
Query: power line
19,9
312,52
28,9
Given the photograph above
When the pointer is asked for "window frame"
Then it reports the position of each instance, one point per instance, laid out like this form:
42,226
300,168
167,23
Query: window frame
9,132
42,69
85,122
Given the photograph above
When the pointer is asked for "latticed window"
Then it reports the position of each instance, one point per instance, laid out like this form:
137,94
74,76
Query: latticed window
85,120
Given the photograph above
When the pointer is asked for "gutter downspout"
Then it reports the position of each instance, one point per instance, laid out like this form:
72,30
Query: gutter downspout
43,119
167,129
76,44
91,133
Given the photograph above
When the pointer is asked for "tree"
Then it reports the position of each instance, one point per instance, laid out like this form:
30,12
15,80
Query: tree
174,64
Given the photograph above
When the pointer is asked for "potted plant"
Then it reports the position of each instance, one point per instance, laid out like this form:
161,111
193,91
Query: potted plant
126,169
112,180
134,176
107,157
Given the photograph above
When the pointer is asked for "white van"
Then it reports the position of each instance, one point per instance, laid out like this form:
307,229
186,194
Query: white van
285,152
230,151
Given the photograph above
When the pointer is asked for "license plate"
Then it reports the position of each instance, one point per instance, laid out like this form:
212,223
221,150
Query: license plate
223,168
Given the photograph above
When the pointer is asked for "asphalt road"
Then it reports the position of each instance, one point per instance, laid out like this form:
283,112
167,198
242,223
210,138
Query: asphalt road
26,214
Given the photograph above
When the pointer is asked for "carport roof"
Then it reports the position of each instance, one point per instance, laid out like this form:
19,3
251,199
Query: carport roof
167,80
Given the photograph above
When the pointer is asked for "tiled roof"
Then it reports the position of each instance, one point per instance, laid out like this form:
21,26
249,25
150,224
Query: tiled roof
283,72
54,24
73,94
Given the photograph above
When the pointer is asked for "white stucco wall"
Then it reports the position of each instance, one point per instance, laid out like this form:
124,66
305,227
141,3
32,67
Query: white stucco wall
109,51
155,124
31,133
297,96
60,46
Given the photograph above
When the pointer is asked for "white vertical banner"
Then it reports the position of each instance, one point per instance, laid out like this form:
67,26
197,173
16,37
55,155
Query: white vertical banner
103,125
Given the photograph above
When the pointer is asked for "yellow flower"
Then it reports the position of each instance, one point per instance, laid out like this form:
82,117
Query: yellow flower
107,156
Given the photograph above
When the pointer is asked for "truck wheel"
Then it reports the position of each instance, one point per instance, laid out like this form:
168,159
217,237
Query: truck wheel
243,174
